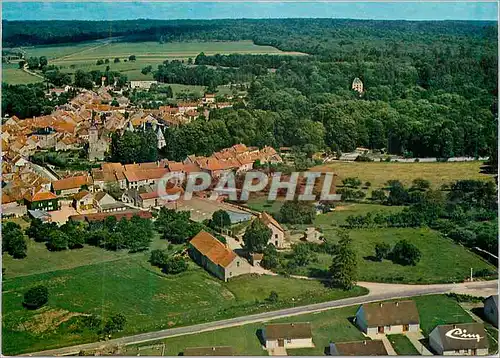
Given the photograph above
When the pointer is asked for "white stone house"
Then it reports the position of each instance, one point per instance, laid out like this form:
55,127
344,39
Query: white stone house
388,317
288,335
278,234
459,339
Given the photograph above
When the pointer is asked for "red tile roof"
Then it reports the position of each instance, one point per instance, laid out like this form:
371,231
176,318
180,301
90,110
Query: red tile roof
213,249
40,196
72,182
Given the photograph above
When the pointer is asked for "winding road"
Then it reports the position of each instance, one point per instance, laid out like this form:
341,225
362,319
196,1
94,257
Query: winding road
377,292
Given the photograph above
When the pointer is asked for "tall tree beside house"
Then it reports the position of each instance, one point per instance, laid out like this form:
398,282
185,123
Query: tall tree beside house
343,271
257,236
220,219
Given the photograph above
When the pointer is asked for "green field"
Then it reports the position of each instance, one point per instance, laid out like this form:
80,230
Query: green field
442,260
379,173
71,57
402,345
12,75
328,326
149,300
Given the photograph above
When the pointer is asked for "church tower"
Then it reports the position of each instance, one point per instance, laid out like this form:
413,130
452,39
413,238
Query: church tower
161,142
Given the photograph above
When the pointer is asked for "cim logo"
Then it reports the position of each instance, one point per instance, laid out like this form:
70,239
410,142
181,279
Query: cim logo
462,334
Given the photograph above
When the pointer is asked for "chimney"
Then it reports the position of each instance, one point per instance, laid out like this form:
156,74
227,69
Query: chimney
380,304
397,304
454,326
364,342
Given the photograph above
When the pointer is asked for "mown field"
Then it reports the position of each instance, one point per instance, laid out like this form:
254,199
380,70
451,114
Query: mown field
149,300
328,326
378,173
442,260
83,56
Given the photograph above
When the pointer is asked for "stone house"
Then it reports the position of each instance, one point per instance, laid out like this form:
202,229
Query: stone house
466,339
288,335
388,317
72,185
278,234
216,257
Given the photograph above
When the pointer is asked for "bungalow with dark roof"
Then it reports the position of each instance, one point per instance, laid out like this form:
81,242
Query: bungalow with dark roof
491,309
388,317
459,339
358,348
216,257
288,335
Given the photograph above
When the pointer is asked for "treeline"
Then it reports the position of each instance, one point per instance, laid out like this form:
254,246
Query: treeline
467,212
241,60
134,234
176,72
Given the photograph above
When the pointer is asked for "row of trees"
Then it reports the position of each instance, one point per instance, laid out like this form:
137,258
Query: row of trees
134,147
134,234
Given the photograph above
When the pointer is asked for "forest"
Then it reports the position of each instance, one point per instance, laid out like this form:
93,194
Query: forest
430,87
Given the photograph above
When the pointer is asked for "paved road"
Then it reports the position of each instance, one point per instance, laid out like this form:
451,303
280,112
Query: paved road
377,292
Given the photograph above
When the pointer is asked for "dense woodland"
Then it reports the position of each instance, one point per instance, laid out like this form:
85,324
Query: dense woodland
430,87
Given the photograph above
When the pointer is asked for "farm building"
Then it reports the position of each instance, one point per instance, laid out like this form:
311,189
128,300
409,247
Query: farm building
288,335
388,317
216,257
459,339
491,309
209,351
358,348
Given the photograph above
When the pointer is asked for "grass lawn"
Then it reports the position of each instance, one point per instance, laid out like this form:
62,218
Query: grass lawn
402,345
435,310
442,260
149,299
327,326
379,173
260,203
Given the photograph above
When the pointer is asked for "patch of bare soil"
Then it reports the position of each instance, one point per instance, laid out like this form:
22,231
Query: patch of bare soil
50,319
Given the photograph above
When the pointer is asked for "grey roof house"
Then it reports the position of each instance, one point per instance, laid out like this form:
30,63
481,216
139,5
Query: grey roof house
459,339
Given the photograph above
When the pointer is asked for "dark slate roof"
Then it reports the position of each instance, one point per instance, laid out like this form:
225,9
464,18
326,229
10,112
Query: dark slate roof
288,331
391,313
209,351
494,298
448,331
361,348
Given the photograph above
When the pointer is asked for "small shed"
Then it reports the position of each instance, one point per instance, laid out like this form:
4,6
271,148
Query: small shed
256,258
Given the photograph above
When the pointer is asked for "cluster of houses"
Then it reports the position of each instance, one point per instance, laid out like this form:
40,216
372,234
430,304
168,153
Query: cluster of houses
375,320
38,189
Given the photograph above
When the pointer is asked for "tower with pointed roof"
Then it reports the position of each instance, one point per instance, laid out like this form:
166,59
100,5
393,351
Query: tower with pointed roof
160,138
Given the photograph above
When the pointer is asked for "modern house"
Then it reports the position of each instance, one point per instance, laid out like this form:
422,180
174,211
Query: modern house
358,348
278,234
491,309
288,335
459,339
42,201
388,317
209,351
216,257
